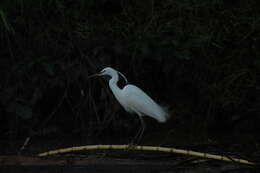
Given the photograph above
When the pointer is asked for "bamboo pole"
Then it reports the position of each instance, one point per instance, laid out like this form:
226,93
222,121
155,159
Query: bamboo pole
146,148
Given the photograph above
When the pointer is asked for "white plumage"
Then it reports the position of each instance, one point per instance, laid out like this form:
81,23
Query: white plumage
133,99
139,102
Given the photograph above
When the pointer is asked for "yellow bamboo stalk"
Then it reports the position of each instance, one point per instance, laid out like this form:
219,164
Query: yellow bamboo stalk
146,148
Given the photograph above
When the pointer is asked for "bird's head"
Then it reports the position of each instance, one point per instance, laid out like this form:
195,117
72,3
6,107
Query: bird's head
109,71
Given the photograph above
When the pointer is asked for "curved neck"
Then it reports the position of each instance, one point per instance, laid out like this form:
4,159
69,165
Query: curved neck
114,79
115,89
113,83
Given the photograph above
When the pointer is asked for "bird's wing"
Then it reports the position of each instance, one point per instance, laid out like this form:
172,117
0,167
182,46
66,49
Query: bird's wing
138,101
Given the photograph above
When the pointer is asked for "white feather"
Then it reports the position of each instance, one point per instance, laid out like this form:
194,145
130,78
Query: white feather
133,99
138,101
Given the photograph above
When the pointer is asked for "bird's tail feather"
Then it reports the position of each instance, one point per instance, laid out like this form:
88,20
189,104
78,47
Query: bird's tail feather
163,114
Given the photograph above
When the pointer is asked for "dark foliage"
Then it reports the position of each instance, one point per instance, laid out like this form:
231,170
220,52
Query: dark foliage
201,58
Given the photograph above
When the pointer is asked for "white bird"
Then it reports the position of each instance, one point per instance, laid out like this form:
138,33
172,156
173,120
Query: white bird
134,100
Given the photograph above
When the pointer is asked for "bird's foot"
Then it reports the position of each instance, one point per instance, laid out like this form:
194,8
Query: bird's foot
131,146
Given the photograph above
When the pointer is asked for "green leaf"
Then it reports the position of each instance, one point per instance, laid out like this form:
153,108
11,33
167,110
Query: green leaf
5,22
23,111
49,68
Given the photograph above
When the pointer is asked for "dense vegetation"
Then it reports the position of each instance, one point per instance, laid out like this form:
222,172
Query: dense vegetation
200,58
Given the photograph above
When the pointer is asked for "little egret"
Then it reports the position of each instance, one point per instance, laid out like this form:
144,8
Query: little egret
134,100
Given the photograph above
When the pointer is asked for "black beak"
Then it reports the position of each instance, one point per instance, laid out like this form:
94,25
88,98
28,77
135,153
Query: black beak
94,75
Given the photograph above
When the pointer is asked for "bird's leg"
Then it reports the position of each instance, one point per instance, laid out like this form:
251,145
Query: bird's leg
141,129
135,137
140,132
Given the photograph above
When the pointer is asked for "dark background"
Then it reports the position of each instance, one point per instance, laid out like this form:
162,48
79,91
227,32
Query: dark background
198,58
